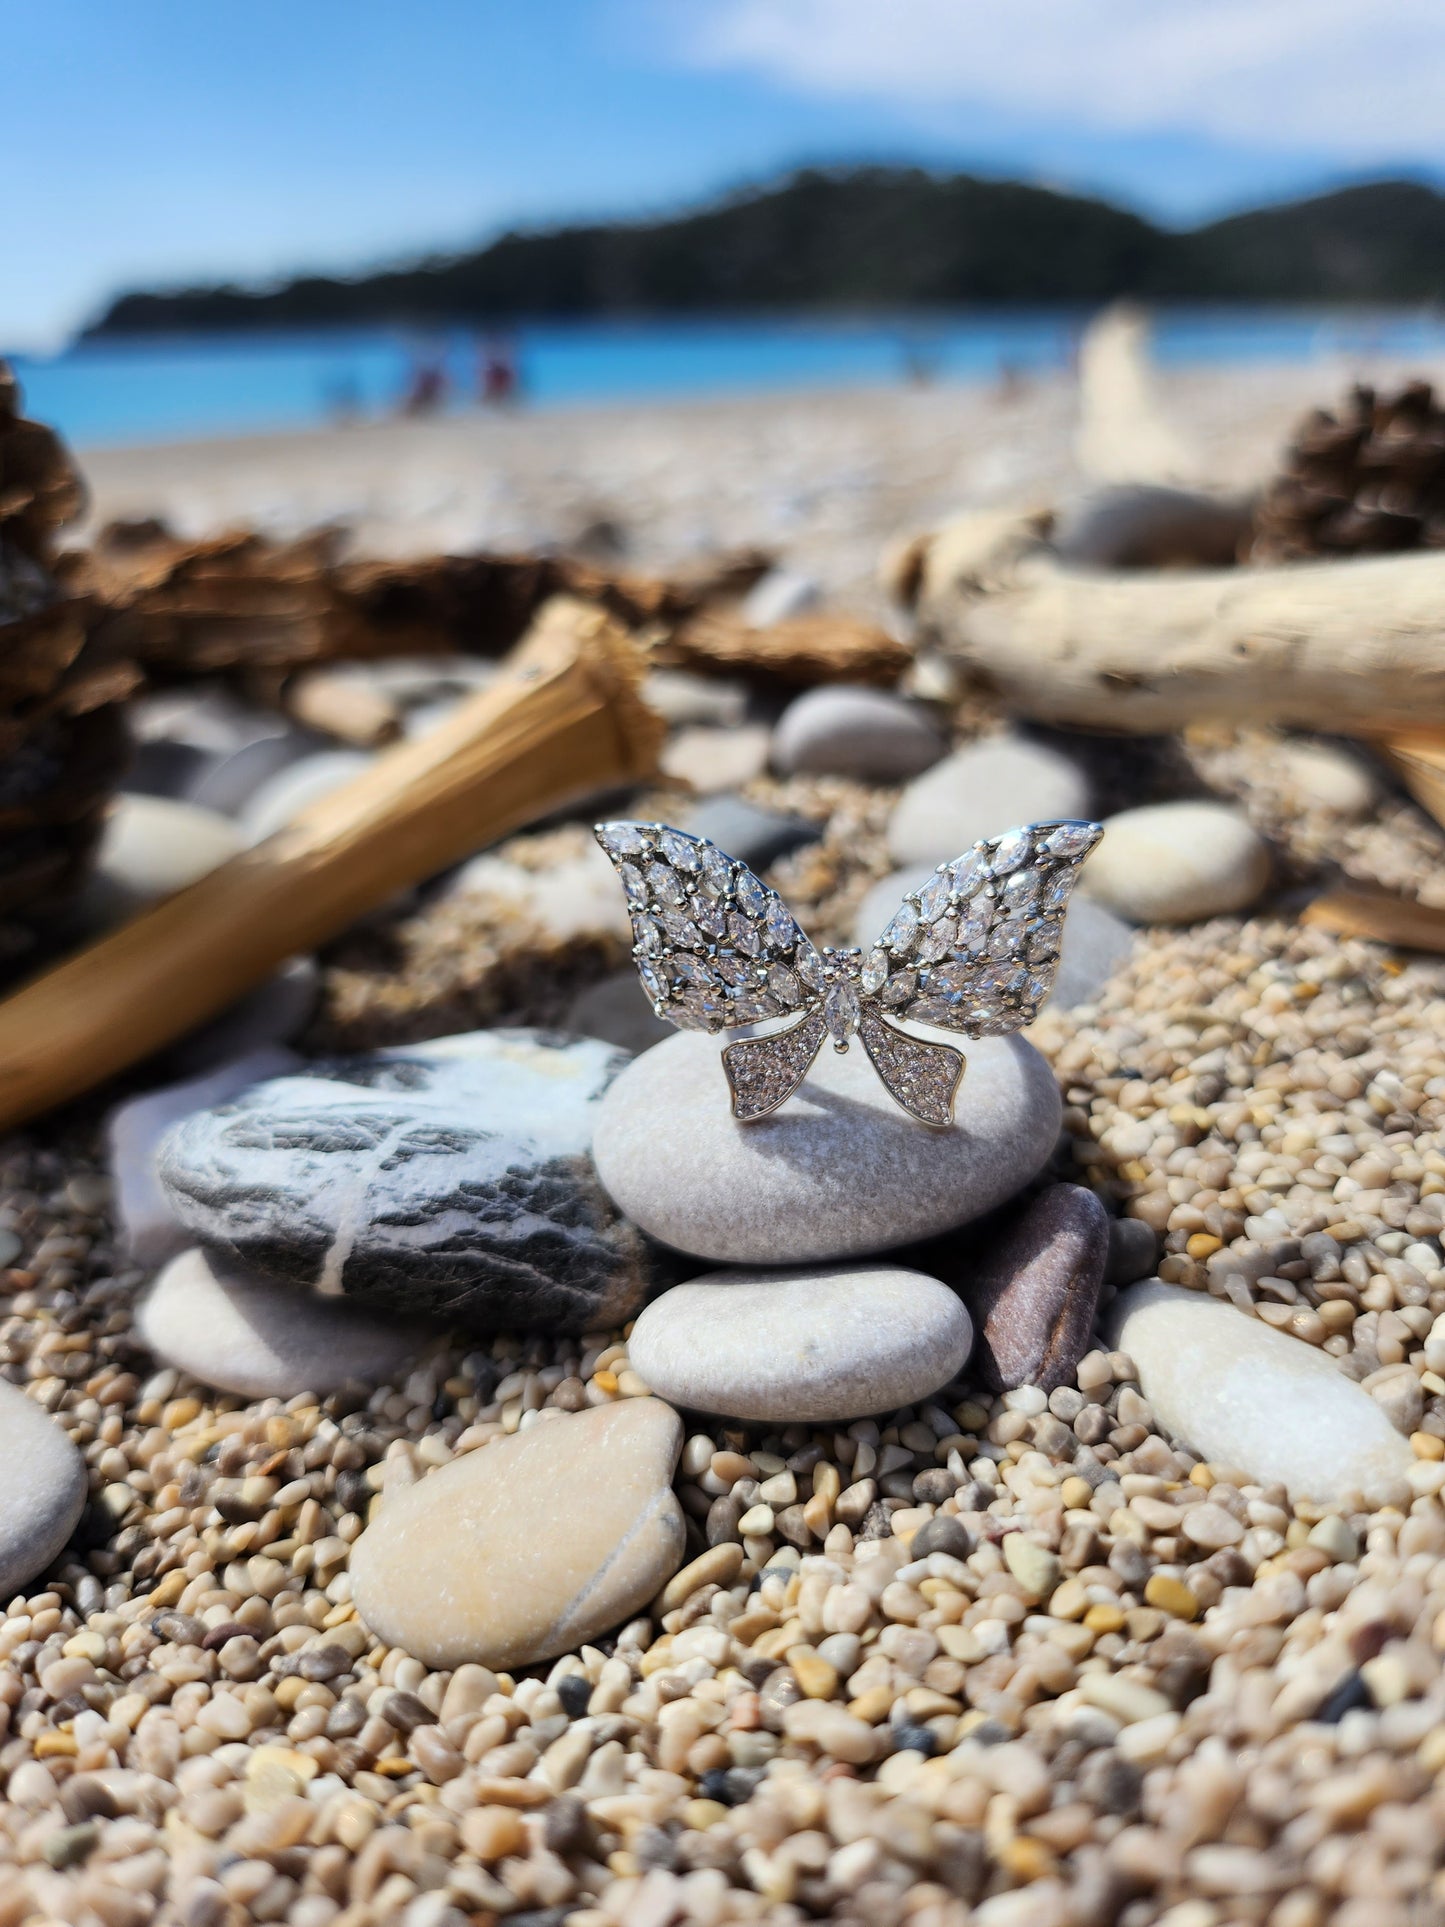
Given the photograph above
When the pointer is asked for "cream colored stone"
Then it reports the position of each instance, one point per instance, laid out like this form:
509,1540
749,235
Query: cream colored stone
528,1547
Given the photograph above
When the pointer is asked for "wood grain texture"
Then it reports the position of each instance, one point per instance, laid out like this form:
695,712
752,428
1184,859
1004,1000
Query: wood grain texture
564,722
1354,648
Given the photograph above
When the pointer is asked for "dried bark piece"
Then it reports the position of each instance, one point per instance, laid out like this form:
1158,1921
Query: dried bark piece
1418,759
1397,921
801,651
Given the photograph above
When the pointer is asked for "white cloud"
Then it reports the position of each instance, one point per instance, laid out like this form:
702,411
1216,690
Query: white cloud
1360,80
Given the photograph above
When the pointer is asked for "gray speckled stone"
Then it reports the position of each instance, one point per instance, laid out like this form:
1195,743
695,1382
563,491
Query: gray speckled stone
448,1179
245,1334
532,1545
982,790
43,1493
1035,1289
1240,1393
802,1346
838,1172
868,734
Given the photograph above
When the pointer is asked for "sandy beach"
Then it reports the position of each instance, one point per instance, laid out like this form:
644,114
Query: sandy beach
1094,1640
821,479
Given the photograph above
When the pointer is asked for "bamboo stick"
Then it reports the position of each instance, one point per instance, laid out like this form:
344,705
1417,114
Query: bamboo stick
565,722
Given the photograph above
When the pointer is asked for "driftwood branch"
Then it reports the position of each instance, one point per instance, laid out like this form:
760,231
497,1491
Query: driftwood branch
1353,648
566,722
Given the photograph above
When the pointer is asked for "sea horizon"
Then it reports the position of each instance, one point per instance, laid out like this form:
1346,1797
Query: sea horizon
103,390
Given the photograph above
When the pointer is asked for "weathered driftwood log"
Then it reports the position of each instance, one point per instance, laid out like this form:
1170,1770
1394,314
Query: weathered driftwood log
1355,648
566,722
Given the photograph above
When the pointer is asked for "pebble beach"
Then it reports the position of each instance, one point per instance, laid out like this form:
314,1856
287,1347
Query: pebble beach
1122,1602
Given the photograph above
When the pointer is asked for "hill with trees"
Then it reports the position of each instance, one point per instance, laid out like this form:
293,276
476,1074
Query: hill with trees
857,239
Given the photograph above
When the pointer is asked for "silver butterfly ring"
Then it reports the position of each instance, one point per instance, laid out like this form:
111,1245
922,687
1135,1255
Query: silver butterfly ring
974,950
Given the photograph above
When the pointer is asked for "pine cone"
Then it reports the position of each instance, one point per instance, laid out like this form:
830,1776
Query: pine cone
1366,480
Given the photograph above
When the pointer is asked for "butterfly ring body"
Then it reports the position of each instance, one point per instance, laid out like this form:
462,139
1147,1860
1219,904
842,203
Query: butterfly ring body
974,950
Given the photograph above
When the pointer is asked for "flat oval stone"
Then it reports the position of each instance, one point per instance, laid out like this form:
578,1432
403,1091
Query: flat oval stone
1035,1289
1240,1393
868,734
838,1172
242,1333
43,1492
982,790
527,1548
152,845
802,1346
1177,863
449,1179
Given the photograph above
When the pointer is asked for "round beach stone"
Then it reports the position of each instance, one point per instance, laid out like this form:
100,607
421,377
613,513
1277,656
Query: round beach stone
1177,863
801,1347
753,835
153,845
1240,1393
242,1333
838,1172
449,1179
868,734
43,1492
982,790
528,1547
1328,775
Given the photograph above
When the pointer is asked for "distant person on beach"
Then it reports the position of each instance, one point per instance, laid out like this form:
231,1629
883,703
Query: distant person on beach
426,389
498,381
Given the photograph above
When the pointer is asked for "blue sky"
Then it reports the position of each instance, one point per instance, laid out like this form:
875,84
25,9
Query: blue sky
162,142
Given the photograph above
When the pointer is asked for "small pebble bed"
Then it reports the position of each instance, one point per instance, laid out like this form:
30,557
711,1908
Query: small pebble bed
1013,1660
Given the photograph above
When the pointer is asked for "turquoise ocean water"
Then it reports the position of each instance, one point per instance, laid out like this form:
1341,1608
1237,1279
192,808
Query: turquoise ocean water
157,389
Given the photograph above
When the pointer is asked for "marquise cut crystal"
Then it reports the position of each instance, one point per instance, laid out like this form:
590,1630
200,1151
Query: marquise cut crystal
679,850
752,897
666,884
840,1011
622,839
933,897
902,932
874,973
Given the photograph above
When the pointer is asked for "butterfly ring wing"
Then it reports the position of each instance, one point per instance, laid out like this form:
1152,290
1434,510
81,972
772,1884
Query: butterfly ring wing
716,949
976,948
